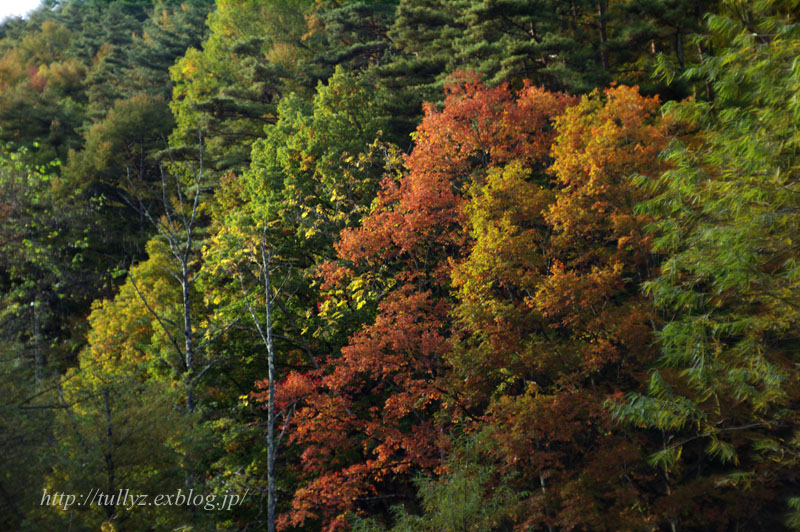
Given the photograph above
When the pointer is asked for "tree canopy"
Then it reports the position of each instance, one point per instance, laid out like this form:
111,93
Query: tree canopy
400,265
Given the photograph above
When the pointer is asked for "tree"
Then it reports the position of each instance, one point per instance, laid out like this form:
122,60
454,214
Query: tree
725,222
467,498
42,99
105,35
95,433
106,444
551,315
675,33
166,35
371,425
123,142
352,36
273,441
580,45
421,53
116,425
230,88
254,253
44,269
315,173
178,228
47,284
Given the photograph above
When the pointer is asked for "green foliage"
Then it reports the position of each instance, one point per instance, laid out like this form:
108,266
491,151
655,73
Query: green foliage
351,35
26,432
314,174
310,159
422,35
467,498
726,224
165,36
230,88
488,282
104,442
44,265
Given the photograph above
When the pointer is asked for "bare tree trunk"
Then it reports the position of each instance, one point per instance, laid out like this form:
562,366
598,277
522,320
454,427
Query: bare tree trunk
108,507
271,450
679,49
265,332
37,348
187,334
178,227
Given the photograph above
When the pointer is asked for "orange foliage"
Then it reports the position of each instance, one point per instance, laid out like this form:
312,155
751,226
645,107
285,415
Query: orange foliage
553,318
371,425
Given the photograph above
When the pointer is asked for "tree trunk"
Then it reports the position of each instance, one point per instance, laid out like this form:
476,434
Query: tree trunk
271,403
601,16
187,336
37,348
108,506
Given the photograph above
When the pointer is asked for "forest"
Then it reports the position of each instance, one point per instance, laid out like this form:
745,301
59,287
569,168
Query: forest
400,266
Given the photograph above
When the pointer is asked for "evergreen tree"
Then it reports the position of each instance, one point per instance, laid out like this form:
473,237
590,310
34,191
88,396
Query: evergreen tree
352,35
230,88
422,35
165,37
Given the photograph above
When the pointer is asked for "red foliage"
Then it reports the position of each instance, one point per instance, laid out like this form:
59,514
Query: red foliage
372,425
36,81
291,390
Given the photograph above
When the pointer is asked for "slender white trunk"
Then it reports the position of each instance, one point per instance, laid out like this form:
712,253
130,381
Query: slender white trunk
37,349
188,340
271,402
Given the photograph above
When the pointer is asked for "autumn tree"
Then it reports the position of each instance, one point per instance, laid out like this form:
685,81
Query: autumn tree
42,96
371,424
555,323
